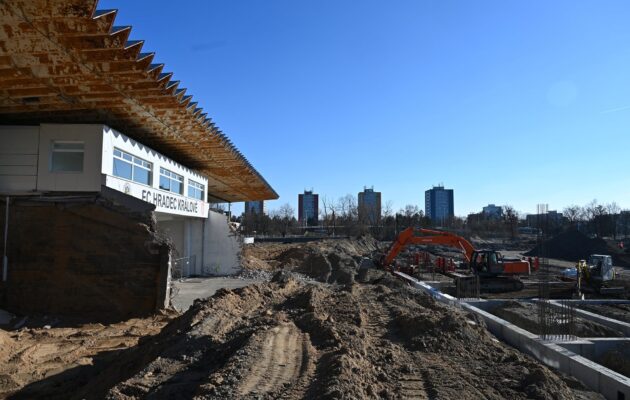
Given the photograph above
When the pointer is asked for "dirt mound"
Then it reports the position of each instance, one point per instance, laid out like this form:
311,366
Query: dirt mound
571,245
331,261
293,340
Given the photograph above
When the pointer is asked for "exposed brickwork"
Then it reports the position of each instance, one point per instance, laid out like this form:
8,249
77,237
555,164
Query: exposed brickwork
85,258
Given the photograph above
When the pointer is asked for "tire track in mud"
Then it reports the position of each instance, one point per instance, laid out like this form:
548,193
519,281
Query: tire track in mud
284,360
410,385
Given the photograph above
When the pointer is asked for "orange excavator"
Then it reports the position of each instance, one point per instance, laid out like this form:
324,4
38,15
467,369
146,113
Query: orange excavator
496,273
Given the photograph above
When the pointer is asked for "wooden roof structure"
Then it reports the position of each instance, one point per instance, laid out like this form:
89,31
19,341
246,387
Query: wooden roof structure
64,61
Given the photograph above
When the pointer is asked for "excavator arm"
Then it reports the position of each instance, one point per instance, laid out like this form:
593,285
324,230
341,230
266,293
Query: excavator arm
429,236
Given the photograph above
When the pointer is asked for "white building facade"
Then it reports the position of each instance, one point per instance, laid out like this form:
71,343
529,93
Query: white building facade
70,158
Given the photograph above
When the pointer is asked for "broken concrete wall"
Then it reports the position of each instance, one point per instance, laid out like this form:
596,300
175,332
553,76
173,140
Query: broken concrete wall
83,257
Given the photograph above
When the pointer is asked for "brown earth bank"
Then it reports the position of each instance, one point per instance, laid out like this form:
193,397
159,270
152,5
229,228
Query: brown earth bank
293,339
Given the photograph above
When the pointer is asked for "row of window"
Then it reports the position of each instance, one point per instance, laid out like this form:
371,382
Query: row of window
128,166
67,156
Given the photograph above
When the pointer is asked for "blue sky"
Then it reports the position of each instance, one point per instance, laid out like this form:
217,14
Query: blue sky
505,102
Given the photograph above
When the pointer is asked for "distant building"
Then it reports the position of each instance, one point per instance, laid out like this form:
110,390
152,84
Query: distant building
439,204
370,206
308,208
492,212
255,207
551,219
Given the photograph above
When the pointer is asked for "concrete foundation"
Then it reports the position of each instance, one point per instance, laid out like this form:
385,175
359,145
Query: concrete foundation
561,356
600,319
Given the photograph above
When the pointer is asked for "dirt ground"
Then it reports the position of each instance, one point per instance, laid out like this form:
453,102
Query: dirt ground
291,339
525,315
38,350
617,359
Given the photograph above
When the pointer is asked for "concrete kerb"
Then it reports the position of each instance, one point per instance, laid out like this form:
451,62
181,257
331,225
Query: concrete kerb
597,377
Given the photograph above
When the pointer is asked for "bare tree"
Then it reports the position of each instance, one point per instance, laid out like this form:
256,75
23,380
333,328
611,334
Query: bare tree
287,215
510,216
388,209
613,211
573,213
326,212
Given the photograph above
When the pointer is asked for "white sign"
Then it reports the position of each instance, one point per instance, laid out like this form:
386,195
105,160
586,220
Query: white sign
164,201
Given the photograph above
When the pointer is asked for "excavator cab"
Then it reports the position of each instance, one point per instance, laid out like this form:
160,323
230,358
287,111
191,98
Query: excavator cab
486,262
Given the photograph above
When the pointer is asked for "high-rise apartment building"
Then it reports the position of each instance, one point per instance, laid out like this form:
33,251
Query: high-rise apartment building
255,207
308,208
369,203
439,204
492,212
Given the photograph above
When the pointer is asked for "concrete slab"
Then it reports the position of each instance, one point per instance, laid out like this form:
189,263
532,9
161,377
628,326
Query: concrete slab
186,291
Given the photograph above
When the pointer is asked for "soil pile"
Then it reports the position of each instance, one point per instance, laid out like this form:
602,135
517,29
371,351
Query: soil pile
331,261
574,245
571,246
289,339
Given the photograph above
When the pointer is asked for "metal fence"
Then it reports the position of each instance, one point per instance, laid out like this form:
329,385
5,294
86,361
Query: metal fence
183,267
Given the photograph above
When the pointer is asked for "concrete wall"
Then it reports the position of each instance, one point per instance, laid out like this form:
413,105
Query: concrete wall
87,257
18,158
87,181
222,246
213,245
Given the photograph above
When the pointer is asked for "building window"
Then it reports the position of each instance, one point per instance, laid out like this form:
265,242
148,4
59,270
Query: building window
131,167
171,181
67,156
195,190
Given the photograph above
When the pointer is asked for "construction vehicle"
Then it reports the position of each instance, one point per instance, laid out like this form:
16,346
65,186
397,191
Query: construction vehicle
596,275
496,273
